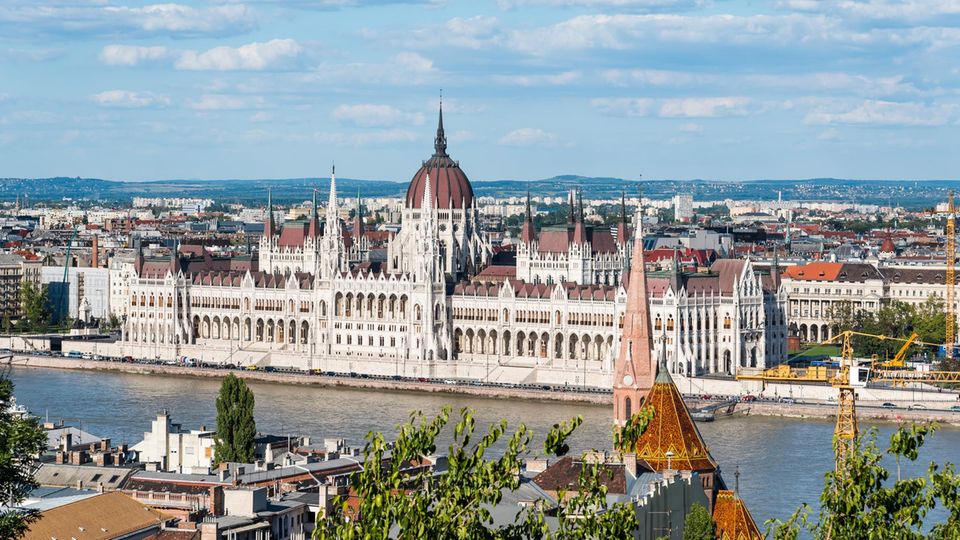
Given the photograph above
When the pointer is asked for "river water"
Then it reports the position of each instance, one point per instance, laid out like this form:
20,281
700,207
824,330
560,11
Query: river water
782,461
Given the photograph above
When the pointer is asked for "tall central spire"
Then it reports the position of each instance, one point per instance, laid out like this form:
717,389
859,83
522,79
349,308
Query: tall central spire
332,201
440,142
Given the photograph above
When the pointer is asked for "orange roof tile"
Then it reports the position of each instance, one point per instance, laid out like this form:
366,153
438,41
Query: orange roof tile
672,430
110,515
816,271
732,518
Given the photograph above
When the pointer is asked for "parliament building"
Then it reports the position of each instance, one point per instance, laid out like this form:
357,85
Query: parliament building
433,304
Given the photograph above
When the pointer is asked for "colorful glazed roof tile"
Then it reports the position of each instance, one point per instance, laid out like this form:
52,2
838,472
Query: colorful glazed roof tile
671,430
732,518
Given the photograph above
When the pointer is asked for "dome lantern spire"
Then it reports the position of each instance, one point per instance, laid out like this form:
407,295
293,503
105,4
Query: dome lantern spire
440,142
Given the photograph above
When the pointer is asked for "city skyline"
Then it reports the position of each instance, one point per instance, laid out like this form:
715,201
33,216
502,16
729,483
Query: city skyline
532,88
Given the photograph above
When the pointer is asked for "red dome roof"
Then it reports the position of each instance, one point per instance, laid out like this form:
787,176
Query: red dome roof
888,246
449,186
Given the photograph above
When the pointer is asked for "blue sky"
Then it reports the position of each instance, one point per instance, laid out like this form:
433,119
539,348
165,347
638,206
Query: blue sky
715,89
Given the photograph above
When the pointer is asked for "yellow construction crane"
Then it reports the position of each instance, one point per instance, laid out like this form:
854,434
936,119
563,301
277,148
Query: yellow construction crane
822,374
851,375
951,259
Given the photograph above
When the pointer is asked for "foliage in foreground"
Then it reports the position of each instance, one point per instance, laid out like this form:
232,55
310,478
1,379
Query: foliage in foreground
859,502
22,440
699,524
391,499
236,428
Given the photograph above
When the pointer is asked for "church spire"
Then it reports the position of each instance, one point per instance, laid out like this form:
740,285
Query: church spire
634,369
313,228
527,233
358,219
623,206
269,227
579,228
332,201
440,142
332,227
623,228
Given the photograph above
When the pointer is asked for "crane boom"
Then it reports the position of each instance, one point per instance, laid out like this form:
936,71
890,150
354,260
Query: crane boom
951,256
850,376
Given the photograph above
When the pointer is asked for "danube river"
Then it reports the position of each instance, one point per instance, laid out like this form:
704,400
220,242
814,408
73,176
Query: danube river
782,461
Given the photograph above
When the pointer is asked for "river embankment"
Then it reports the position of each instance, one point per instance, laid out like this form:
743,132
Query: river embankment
938,411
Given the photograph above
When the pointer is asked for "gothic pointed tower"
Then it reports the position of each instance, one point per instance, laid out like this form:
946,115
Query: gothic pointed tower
528,232
269,226
332,245
634,369
313,227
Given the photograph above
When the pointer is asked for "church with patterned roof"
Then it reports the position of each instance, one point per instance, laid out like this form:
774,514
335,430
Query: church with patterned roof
671,441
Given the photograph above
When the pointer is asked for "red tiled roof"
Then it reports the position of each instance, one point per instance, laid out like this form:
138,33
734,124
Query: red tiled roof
559,241
816,271
292,234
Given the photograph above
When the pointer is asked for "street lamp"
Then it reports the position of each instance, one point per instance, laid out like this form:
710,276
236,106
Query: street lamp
669,455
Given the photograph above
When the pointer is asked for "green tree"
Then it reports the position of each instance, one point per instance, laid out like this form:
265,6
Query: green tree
394,502
236,428
699,524
22,440
859,500
34,306
7,324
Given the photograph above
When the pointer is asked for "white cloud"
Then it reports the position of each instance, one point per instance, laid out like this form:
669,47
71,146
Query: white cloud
690,127
551,79
625,31
131,55
896,11
655,77
831,134
699,107
886,113
31,117
477,32
223,102
528,137
261,116
130,100
401,69
254,56
365,138
638,5
41,54
101,18
413,62
370,114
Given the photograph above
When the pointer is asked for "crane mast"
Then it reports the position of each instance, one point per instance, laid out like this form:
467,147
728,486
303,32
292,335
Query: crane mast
951,256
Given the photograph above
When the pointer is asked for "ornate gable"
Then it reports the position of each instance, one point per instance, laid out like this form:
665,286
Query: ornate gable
732,518
672,430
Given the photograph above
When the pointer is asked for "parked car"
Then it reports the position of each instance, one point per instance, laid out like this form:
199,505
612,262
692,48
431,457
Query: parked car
889,406
955,408
918,406
748,397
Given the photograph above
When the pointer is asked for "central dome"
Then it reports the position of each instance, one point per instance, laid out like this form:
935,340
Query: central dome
448,184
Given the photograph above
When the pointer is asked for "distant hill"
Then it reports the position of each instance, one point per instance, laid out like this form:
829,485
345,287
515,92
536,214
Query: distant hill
910,194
